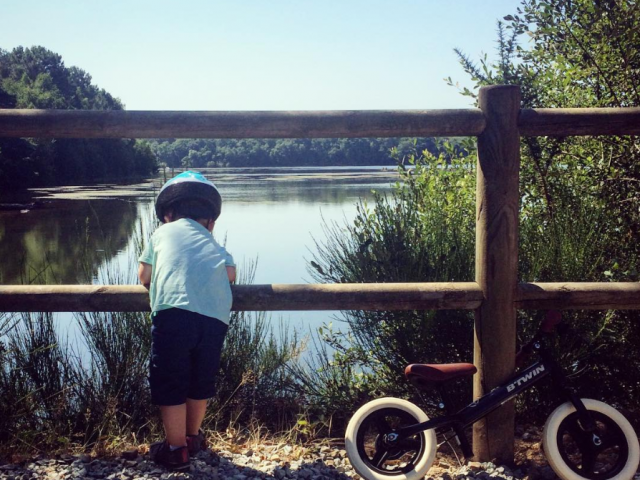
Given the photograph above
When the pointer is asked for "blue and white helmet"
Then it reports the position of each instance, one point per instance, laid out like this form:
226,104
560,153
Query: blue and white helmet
188,185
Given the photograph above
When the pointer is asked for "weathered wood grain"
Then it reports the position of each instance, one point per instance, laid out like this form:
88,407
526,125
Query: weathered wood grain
274,124
128,298
576,295
281,297
563,122
497,202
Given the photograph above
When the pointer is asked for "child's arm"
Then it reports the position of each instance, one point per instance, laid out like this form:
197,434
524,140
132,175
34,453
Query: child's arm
231,273
230,265
144,274
146,264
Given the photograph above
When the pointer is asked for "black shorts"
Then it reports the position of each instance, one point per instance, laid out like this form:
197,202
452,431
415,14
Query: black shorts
185,356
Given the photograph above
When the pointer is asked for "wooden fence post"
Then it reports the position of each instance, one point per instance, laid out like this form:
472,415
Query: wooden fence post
497,202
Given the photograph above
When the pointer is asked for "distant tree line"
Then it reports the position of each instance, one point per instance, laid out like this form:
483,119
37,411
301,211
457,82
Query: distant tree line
38,78
197,153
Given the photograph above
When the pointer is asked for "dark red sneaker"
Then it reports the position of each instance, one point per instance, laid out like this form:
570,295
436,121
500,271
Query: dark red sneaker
176,460
196,443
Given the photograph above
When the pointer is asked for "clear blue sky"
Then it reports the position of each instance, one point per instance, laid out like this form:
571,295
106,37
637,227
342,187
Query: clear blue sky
263,54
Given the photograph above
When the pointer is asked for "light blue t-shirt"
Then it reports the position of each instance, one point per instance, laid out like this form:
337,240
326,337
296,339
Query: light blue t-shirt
188,270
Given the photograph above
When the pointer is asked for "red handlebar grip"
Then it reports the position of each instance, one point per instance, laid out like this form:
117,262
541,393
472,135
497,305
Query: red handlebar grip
551,321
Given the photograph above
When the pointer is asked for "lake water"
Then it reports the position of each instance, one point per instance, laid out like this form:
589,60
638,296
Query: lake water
269,215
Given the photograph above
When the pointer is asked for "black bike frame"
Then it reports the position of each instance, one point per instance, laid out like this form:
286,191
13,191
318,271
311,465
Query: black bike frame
497,397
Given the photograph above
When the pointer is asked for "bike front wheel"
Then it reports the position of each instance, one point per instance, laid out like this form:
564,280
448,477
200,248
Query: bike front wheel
611,452
370,456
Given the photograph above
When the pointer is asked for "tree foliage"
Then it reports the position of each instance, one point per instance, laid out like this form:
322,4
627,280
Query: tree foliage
38,78
283,152
566,53
579,215
423,232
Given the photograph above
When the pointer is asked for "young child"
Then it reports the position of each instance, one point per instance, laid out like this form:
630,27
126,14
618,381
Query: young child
188,276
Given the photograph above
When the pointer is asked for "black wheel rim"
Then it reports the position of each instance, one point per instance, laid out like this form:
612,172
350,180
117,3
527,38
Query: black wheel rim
373,451
596,458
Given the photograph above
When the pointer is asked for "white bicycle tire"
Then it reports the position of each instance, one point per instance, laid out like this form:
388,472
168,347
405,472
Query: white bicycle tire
552,451
421,466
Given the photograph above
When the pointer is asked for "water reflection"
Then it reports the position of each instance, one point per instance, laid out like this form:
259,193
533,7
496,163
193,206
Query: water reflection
63,241
270,214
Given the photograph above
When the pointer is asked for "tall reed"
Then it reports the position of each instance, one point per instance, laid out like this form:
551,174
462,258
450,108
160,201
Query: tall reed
90,390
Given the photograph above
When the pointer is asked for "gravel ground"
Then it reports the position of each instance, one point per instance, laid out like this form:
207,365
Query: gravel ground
281,462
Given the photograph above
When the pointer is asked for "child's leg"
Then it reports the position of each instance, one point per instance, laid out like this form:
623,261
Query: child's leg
205,362
196,410
172,340
174,419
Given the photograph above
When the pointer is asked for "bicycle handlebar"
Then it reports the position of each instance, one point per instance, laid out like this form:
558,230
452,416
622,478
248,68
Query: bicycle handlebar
551,320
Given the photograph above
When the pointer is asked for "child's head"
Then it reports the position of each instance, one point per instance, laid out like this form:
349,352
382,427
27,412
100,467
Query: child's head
189,195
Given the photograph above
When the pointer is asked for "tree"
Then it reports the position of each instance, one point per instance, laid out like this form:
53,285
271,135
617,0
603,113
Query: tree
579,217
580,54
37,78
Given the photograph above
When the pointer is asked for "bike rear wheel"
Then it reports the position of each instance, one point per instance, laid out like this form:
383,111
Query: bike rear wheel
410,459
610,453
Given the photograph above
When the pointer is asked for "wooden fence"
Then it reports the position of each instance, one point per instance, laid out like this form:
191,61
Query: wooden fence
494,296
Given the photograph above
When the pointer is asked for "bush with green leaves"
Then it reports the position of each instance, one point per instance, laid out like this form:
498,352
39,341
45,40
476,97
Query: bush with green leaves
423,232
579,210
82,381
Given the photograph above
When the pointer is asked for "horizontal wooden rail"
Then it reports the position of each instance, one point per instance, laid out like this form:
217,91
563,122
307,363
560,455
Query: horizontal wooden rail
579,121
354,296
277,124
579,296
308,124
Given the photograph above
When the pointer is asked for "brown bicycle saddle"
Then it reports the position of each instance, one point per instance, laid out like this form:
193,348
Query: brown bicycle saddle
429,375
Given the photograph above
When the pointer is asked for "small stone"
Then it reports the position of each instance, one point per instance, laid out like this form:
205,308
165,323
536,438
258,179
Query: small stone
464,472
248,453
474,466
130,454
279,473
526,436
